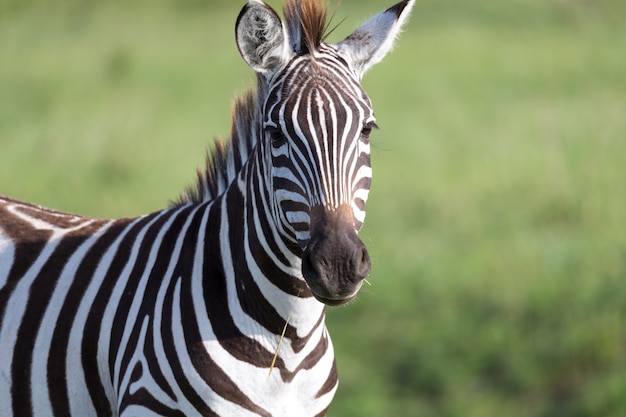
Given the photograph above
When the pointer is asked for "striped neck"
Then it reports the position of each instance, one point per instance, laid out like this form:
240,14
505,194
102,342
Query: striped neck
268,265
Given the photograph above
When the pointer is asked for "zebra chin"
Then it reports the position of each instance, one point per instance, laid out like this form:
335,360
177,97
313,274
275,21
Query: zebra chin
335,261
333,302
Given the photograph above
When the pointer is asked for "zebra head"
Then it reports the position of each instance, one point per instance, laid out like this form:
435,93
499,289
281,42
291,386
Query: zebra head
314,127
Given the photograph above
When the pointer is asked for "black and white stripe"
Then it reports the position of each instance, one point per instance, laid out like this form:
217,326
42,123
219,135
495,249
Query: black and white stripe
327,120
180,312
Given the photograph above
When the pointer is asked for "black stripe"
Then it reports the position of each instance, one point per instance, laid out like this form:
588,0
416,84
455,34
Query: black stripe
57,384
28,244
144,397
154,282
40,293
93,324
217,310
184,270
125,302
273,273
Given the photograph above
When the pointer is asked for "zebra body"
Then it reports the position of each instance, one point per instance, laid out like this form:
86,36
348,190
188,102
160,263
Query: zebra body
129,313
214,306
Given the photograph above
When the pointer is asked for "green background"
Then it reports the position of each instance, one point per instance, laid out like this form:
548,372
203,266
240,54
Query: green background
496,221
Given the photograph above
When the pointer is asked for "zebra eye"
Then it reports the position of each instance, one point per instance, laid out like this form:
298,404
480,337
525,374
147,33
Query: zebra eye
276,136
367,130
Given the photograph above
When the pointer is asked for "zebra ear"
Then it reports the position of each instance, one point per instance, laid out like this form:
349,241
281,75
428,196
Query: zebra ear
261,38
369,44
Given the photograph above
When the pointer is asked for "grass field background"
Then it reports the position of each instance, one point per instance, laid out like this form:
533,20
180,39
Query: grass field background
497,218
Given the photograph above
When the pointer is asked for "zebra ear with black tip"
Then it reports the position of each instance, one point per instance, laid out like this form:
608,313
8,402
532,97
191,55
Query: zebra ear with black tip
261,38
369,44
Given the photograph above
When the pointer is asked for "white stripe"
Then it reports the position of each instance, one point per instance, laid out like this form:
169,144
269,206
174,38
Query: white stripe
110,382
79,398
40,394
159,349
7,257
133,312
19,299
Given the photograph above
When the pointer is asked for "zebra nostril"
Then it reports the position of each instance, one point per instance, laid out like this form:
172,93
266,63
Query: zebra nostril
363,264
309,271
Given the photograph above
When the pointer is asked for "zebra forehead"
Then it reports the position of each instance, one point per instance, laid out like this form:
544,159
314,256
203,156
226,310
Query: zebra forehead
327,77
324,64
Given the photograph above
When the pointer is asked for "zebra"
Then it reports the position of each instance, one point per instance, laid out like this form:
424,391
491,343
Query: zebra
214,306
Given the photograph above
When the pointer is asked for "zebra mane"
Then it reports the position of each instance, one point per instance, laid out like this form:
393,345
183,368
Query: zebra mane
307,26
226,157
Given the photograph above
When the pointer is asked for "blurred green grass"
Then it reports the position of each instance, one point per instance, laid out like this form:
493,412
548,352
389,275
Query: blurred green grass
496,218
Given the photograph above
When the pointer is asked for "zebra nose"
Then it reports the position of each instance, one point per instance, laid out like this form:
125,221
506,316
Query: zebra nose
335,261
342,263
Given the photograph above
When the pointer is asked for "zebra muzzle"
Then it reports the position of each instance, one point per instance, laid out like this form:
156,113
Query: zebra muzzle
335,261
